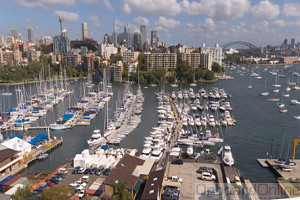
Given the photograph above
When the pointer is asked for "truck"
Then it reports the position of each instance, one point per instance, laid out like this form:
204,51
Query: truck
174,179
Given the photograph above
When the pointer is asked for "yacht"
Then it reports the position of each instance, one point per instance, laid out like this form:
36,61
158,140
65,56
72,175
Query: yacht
227,156
190,151
264,93
147,150
96,138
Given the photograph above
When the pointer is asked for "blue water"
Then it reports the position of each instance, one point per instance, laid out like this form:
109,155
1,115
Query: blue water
258,133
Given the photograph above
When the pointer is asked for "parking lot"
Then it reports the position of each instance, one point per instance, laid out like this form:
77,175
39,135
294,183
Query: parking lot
192,187
71,178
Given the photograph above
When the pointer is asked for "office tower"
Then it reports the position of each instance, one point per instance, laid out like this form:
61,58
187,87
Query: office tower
285,42
61,44
47,40
106,39
84,31
143,31
137,40
30,34
113,38
292,41
9,39
14,33
154,39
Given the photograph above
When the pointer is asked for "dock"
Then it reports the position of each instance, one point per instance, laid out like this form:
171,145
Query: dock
38,127
262,162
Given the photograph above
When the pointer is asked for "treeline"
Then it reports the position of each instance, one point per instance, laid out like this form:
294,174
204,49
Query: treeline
33,71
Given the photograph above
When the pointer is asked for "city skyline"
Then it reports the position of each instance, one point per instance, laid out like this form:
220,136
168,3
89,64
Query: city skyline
184,21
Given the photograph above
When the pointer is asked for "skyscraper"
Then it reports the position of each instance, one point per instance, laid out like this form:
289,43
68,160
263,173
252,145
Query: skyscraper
1,40
154,39
84,31
106,39
143,34
30,34
14,33
292,42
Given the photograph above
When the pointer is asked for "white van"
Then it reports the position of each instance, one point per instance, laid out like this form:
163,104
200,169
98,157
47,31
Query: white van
63,170
85,179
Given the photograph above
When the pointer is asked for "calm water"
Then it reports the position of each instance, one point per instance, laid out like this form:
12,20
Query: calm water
260,126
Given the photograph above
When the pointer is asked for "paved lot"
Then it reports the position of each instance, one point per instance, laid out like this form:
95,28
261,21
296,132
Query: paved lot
192,187
71,178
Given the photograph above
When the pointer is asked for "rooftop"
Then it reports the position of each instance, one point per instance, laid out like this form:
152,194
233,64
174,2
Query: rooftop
153,185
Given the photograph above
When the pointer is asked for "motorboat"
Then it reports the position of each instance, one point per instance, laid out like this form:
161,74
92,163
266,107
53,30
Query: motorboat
264,93
273,99
283,110
96,139
227,156
190,150
294,102
297,117
43,156
275,90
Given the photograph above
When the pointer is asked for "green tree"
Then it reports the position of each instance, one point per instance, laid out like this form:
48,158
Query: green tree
217,68
115,57
183,71
209,75
58,193
22,193
141,62
120,192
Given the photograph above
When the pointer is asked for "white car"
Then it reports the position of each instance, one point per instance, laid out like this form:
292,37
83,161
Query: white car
207,176
81,170
83,184
80,194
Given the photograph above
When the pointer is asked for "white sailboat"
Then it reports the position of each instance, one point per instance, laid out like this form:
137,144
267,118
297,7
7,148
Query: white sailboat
250,85
281,104
276,85
265,92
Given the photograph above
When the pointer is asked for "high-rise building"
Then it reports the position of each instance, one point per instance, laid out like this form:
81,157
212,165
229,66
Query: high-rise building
47,40
9,39
84,31
165,60
154,39
137,40
61,44
143,34
215,55
285,42
14,33
293,42
1,40
106,39
30,34
192,58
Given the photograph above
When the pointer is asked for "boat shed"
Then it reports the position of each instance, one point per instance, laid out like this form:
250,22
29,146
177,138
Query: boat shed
18,144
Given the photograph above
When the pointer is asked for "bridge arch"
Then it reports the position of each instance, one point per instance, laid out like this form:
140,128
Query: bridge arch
249,45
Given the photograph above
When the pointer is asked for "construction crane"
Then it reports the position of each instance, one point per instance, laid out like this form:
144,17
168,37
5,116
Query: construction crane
294,149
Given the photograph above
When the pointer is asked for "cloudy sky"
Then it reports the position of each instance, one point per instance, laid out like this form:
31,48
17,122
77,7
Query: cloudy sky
190,22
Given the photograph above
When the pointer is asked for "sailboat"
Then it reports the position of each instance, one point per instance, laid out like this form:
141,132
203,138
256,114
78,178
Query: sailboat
281,104
276,85
250,85
194,83
265,92
297,87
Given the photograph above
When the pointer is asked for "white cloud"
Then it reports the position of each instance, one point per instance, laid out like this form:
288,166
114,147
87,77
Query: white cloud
207,26
266,10
291,9
152,7
108,5
165,24
283,23
94,19
67,16
28,20
119,24
90,1
43,3
141,21
219,9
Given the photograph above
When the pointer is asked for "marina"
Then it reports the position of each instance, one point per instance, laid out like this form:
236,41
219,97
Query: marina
186,122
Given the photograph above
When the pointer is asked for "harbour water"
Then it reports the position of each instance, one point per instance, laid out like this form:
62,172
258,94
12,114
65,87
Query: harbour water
258,133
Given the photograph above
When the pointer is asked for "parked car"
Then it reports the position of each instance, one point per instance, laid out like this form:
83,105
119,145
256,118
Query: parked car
205,169
87,170
177,162
85,179
60,175
237,181
80,194
93,171
50,184
171,195
75,170
37,192
174,179
99,170
80,183
81,170
106,171
207,176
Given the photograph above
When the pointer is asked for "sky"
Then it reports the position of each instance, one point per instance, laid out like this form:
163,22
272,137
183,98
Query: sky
189,22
